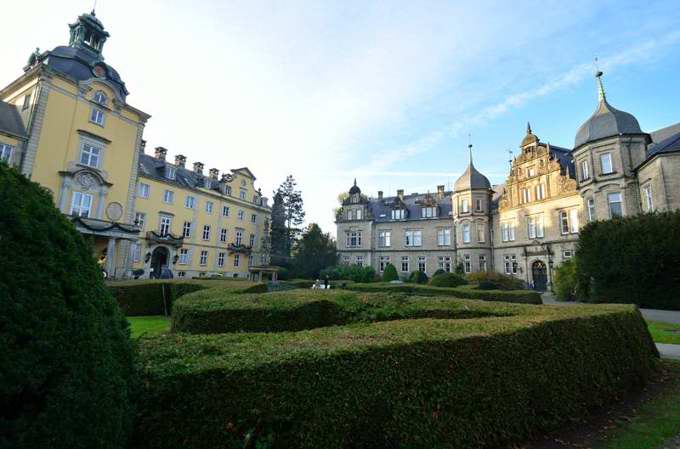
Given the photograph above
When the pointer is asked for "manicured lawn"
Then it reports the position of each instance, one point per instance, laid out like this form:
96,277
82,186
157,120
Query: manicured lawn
148,326
664,332
655,421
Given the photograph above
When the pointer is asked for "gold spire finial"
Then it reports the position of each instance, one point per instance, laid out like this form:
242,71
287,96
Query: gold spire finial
598,75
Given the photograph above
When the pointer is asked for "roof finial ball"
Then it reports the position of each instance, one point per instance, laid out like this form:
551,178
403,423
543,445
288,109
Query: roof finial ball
470,146
598,75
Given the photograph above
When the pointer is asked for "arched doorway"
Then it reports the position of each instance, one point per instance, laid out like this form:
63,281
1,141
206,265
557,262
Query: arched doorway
159,259
539,275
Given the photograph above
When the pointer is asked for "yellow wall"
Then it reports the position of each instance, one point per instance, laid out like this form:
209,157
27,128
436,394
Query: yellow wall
154,206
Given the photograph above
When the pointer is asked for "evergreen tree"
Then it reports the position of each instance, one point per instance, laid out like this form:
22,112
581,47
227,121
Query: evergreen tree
287,215
313,252
280,250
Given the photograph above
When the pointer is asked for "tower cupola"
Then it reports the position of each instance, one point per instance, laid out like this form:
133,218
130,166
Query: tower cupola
88,33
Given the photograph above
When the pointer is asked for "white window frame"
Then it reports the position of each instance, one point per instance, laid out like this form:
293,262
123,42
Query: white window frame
413,238
241,215
444,237
190,202
535,227
225,211
465,232
209,207
585,170
649,199
590,205
564,222
482,263
422,264
467,263
608,167
168,196
100,97
144,190
619,202
526,195
170,172
220,258
237,260
383,261
253,218
183,256
428,212
464,206
540,192
573,221
360,261
164,225
81,204
478,205
206,232
6,152
385,239
186,229
481,232
405,264
203,260
223,235
238,238
251,241
90,153
445,263
97,116
398,214
140,219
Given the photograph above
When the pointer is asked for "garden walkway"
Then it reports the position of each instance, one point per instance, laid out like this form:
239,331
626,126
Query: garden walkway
665,316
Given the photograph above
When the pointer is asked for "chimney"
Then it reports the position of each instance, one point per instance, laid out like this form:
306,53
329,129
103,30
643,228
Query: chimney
198,168
400,193
224,188
142,146
161,153
214,173
380,194
180,160
441,191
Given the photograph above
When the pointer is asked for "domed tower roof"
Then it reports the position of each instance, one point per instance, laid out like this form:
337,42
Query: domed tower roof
606,121
530,138
472,179
354,189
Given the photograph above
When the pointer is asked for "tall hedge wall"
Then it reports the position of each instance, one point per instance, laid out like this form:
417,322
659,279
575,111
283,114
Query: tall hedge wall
631,260
416,383
463,291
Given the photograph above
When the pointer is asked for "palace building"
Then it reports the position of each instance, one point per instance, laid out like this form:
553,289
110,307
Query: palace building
66,124
529,224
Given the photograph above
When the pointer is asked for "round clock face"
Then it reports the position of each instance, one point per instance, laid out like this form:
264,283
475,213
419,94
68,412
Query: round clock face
99,71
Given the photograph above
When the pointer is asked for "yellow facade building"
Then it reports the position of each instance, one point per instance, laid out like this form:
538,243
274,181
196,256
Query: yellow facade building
66,124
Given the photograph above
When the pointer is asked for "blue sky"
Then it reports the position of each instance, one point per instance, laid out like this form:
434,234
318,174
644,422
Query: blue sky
383,91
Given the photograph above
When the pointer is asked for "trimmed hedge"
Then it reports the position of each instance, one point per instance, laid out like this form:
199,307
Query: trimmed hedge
209,311
631,260
67,365
491,280
447,280
390,273
418,383
143,298
463,292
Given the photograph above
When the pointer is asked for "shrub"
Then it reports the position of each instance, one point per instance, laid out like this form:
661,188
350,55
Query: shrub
283,274
460,269
631,260
390,273
67,374
418,277
491,280
447,280
423,383
353,273
564,281
463,291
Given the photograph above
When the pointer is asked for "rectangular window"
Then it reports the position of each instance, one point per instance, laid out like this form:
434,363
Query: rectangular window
482,263
237,260
225,211
649,202
540,192
81,204
241,215
564,222
384,260
360,261
206,232
422,264
242,194
251,241
136,250
526,197
464,206
481,235
585,170
398,214
445,263
404,264
515,266
444,237
359,214
5,152
27,102
507,265
220,259
223,235
591,210
385,239
346,260
606,163
204,258
531,172
573,221
170,172
97,116
209,207
535,227
227,190
353,239
90,155
466,233
165,224
239,238
144,190
186,229
190,202
567,254
140,218
468,263
168,197
615,209
428,212
478,205
413,238
183,256
253,218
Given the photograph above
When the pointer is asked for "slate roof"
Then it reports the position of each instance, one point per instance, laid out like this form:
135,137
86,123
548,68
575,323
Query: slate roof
606,121
669,145
78,63
564,157
10,120
471,179
380,207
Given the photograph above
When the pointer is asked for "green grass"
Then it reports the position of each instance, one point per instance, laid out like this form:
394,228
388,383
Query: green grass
656,421
664,332
148,326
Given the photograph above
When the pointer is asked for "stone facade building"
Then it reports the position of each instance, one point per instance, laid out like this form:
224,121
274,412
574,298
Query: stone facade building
529,224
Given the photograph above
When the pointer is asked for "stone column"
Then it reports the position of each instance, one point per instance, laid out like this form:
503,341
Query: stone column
111,258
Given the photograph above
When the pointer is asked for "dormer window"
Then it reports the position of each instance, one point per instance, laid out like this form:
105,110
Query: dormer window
170,172
100,98
428,212
398,214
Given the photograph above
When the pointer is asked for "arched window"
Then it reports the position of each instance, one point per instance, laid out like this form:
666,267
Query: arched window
100,97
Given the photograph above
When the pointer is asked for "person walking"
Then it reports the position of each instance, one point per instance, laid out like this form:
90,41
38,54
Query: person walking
325,283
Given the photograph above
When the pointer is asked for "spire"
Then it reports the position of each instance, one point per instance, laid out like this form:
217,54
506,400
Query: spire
470,147
355,181
529,128
600,86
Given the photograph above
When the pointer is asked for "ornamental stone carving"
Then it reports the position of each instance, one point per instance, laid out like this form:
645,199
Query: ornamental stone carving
86,180
114,211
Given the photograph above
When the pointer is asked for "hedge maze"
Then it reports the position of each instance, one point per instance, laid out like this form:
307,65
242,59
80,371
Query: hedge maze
341,369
